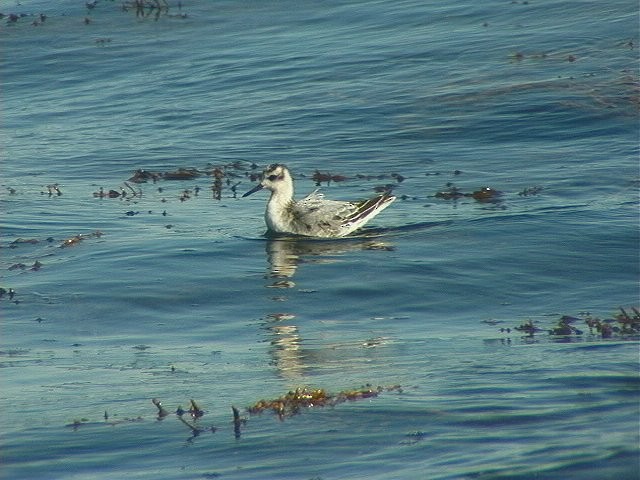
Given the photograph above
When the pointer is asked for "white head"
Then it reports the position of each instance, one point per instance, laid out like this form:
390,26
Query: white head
276,177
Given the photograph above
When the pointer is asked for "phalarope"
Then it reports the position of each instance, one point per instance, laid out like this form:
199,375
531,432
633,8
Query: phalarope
313,216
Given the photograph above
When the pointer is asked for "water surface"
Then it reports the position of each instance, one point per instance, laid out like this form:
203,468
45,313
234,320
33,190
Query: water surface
179,296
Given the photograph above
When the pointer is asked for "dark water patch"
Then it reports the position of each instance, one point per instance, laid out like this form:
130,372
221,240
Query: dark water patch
615,384
603,345
598,466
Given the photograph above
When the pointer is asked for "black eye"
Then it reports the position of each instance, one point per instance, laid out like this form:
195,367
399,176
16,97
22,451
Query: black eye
272,178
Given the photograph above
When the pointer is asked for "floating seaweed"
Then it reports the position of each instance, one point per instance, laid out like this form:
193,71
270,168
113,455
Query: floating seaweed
216,187
629,323
73,241
122,193
79,422
623,324
144,176
12,18
182,174
302,398
221,176
37,265
285,406
327,178
110,194
529,328
530,191
53,189
483,194
486,194
564,326
399,178
194,411
452,193
23,241
238,422
224,177
10,292
413,437
161,411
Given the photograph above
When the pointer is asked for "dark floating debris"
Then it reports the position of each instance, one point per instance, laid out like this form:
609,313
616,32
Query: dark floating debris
53,189
40,19
521,56
122,193
296,400
413,438
155,8
327,178
564,326
452,193
528,328
161,411
194,411
73,241
143,176
530,191
223,178
37,265
287,405
623,324
77,423
10,292
484,194
19,241
182,174
238,422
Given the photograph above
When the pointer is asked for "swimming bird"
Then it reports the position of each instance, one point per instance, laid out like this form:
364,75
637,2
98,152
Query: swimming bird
313,216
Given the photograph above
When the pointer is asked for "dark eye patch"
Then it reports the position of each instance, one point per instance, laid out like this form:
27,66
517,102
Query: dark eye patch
272,178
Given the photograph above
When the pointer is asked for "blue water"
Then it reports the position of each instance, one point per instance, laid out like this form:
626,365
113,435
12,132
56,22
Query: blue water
183,299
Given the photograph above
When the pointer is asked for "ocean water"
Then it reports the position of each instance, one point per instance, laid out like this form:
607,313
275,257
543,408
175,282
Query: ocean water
172,292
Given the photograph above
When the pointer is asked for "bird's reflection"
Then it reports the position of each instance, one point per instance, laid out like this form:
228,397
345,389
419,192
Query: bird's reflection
286,351
285,256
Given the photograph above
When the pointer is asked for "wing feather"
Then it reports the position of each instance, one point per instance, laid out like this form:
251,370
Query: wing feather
335,218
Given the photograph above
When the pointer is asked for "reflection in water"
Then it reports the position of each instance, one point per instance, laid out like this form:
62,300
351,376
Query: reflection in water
286,352
285,255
